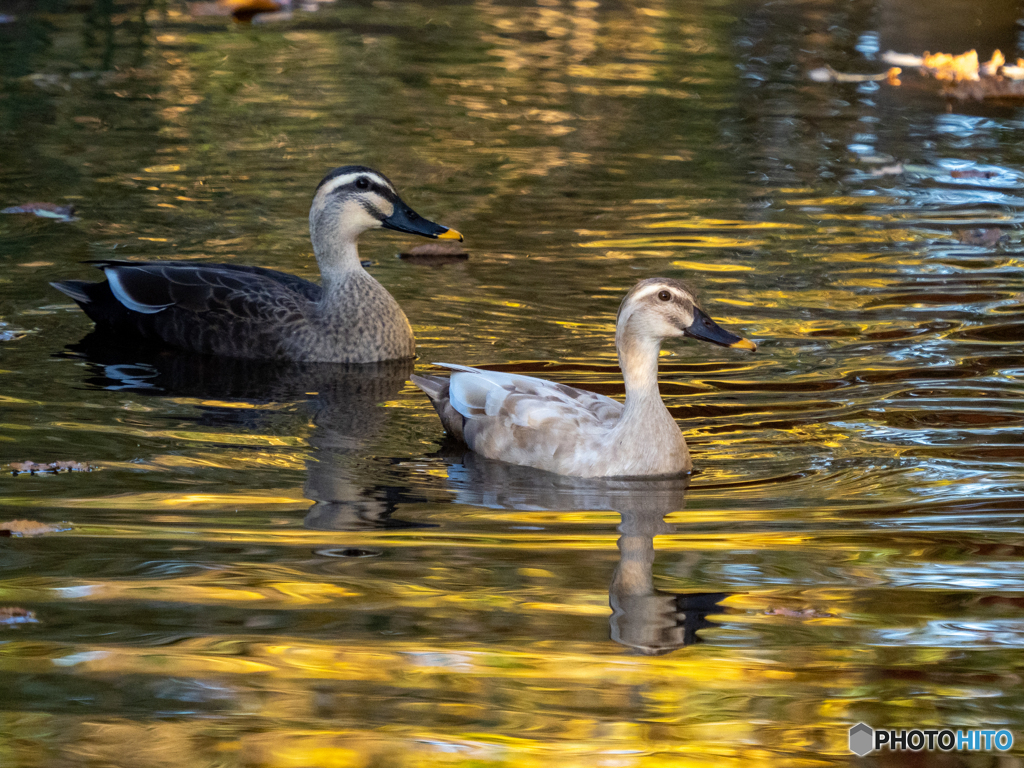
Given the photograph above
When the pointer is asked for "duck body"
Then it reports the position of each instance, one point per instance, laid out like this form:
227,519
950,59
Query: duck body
550,426
238,311
542,424
257,313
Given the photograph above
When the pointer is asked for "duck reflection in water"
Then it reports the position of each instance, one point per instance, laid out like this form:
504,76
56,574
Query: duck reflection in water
648,620
344,402
348,493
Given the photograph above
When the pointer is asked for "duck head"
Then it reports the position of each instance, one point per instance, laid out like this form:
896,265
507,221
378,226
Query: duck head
353,198
661,308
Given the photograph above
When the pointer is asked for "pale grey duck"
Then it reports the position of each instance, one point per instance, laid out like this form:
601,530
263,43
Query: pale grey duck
549,426
257,313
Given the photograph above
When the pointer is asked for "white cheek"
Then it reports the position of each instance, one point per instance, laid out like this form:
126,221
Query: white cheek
354,216
384,206
667,328
667,320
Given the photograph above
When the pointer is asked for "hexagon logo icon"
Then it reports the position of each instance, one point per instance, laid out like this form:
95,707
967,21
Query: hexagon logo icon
862,738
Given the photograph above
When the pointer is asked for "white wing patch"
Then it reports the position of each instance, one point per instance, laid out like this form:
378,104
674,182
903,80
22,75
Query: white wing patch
122,295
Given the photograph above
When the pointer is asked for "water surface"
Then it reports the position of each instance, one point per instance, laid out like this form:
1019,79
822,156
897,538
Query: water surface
289,566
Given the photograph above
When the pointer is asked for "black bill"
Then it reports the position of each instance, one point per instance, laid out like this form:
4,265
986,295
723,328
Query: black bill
405,219
706,329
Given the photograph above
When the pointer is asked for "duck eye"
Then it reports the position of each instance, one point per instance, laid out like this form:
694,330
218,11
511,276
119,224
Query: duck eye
664,295
362,183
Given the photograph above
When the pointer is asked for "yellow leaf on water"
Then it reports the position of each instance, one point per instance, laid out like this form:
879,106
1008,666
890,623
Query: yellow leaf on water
945,66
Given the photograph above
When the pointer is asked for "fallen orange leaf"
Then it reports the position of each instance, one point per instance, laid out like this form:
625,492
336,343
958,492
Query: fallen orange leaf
945,66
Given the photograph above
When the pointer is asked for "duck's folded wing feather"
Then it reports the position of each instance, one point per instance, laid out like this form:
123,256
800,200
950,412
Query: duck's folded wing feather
151,287
525,401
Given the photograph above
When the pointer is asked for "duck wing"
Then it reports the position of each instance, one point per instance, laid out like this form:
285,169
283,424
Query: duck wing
155,285
520,419
213,309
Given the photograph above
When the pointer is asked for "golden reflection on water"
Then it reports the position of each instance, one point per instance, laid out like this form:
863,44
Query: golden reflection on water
286,567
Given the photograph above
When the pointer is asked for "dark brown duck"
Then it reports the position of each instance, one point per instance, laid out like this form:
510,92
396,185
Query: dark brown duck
257,313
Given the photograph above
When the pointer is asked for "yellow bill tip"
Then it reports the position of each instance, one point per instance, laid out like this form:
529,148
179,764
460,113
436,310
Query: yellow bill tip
450,234
744,344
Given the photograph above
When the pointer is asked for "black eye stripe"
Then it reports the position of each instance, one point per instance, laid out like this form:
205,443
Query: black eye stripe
371,186
373,210
353,188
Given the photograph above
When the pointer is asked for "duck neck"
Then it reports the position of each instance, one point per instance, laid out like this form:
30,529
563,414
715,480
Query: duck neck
336,254
638,359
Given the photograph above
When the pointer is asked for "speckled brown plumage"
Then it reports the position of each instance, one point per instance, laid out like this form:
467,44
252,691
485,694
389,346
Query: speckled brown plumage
257,313
235,311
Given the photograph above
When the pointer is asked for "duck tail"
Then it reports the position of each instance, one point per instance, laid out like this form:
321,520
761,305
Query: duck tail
76,289
100,304
436,388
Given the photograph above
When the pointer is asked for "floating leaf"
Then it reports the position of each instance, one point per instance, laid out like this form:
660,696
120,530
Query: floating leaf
31,528
945,66
434,254
244,10
970,173
15,616
984,237
964,76
896,169
32,467
828,75
11,334
240,10
902,59
45,210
